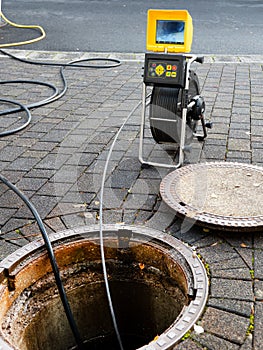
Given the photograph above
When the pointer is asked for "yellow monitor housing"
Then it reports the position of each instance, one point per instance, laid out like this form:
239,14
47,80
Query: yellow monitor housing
169,31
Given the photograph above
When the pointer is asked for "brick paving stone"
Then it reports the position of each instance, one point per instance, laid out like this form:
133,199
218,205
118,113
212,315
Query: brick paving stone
212,342
10,153
248,344
239,155
52,161
258,287
188,344
122,179
79,219
160,220
113,197
247,255
240,307
35,154
218,253
186,231
6,248
68,174
66,208
235,262
57,189
97,167
16,238
43,204
110,216
40,173
236,133
14,224
55,224
129,164
258,256
258,240
24,164
6,214
33,184
258,326
232,289
129,216
241,126
142,186
257,157
10,200
238,145
84,159
226,325
241,273
78,197
55,136
214,152
44,146
140,201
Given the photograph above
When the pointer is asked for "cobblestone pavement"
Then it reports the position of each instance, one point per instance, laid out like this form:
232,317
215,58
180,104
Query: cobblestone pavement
58,160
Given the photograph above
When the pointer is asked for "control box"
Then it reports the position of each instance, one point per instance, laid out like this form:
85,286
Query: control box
164,69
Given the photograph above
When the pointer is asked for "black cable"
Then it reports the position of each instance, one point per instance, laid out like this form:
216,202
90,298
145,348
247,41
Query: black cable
115,62
22,107
32,105
57,95
53,261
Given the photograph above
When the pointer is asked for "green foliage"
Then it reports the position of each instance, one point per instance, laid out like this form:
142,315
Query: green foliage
251,325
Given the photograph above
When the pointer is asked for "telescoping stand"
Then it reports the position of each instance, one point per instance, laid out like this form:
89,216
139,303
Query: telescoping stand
175,105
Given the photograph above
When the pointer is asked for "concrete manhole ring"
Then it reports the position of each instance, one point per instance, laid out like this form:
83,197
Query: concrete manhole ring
218,195
167,282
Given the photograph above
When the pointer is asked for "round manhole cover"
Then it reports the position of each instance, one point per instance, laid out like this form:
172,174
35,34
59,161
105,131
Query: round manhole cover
218,195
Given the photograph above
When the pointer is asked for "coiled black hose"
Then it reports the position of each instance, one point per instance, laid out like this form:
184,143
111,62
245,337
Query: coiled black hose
56,95
52,259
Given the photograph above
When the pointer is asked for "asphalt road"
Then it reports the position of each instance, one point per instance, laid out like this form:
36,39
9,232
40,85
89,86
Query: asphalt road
220,27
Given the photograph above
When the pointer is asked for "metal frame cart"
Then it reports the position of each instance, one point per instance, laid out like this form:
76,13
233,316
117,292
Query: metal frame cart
175,105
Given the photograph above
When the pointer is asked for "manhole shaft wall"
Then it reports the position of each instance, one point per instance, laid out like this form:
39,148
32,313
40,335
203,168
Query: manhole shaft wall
183,255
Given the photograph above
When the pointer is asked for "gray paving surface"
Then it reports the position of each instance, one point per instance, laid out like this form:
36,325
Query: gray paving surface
59,158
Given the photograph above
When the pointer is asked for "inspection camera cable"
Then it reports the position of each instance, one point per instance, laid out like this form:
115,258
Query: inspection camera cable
55,96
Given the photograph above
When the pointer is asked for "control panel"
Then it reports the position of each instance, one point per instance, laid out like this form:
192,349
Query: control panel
164,69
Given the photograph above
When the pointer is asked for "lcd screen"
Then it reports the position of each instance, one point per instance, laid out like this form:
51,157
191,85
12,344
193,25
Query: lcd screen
170,32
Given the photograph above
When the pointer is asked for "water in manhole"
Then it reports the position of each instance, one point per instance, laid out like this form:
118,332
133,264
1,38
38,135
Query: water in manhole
158,287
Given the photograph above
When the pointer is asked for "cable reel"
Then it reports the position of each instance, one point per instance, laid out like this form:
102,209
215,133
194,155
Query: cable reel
165,111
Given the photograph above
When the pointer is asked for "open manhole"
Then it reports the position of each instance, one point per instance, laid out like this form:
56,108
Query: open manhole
218,195
158,285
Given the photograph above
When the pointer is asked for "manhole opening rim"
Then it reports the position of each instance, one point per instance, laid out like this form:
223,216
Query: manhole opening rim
190,313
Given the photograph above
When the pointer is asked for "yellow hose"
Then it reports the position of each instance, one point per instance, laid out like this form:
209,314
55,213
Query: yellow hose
39,28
